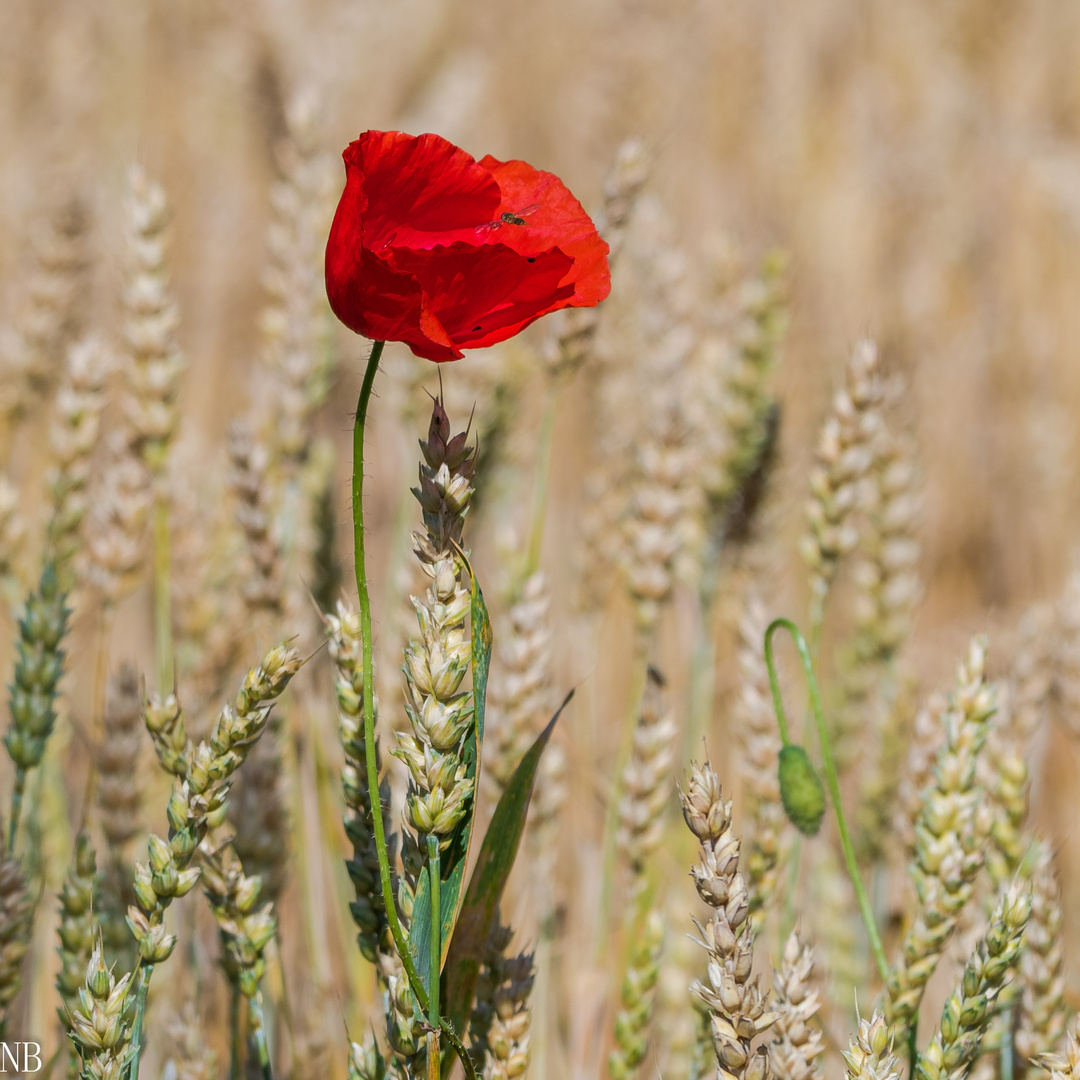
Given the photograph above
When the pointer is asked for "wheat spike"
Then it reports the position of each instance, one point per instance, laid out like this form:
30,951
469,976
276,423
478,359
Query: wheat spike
35,685
435,663
101,1025
574,341
869,1055
246,924
799,1041
737,365
1040,1015
191,1057
948,837
738,1005
633,1022
263,590
1064,1066
294,321
76,931
520,688
646,780
368,910
657,513
155,362
259,815
72,438
886,574
50,311
119,801
499,1026
845,459
969,1009
116,529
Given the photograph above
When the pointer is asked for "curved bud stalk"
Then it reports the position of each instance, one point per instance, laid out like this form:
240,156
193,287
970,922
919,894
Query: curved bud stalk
800,787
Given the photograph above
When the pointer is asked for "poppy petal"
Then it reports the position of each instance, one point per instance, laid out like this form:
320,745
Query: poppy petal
437,250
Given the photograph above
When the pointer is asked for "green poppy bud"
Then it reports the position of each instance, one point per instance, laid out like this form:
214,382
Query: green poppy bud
801,790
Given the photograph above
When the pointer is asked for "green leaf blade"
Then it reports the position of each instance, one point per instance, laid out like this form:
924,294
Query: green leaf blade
493,865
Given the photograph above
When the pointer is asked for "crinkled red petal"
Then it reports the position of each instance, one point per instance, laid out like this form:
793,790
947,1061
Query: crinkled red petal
420,252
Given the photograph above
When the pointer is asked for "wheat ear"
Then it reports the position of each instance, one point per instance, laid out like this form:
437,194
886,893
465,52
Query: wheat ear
948,838
737,1004
969,1009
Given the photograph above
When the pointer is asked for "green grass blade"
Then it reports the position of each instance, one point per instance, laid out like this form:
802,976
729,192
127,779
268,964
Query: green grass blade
489,877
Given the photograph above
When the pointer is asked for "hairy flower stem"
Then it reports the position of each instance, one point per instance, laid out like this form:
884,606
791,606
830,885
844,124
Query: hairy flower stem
435,878
369,711
831,779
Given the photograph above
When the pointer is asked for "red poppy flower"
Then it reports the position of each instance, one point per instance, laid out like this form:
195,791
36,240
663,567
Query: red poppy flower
443,252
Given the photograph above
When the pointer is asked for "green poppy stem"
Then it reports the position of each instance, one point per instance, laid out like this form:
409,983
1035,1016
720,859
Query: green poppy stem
435,965
415,982
369,674
830,772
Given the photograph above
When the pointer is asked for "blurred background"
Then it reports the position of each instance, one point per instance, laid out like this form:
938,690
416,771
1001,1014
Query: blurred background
917,164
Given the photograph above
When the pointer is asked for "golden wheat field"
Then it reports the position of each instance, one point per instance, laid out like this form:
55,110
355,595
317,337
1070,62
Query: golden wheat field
249,828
